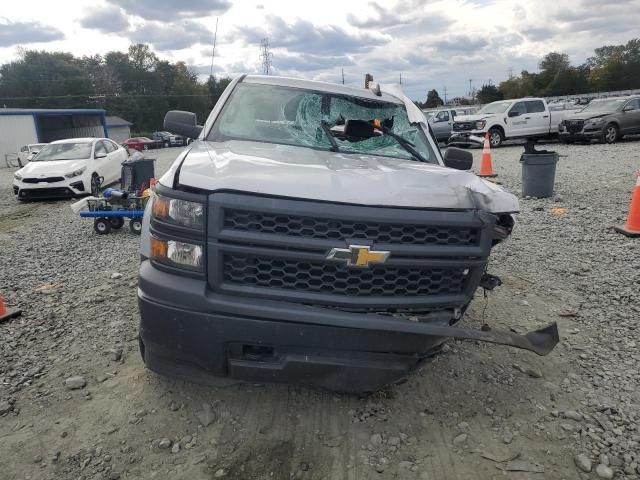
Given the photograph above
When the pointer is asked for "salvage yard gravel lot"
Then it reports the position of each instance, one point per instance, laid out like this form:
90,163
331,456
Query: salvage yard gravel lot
477,411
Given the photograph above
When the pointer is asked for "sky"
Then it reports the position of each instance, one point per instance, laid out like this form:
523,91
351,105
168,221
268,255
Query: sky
431,44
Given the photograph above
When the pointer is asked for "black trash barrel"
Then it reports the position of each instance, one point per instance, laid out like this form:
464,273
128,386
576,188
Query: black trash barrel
538,174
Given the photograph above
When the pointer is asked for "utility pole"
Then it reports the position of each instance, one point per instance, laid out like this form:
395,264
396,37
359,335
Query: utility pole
266,56
400,78
213,51
445,94
510,72
470,91
342,69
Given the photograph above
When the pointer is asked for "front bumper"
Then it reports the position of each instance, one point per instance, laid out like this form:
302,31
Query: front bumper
586,133
470,138
187,330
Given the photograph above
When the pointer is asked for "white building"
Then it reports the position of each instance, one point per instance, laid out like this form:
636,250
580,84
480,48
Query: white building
23,126
119,129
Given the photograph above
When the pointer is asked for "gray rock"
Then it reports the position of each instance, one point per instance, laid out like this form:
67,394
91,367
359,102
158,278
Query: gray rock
533,372
5,407
75,383
460,439
376,440
507,437
116,354
221,472
175,448
394,441
206,416
164,443
583,462
572,415
405,464
604,472
116,275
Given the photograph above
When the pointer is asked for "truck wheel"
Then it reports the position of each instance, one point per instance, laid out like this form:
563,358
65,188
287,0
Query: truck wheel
611,133
135,225
495,137
116,222
102,226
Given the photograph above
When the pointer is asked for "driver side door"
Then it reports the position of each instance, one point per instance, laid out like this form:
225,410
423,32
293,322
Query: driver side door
441,125
517,123
101,162
630,117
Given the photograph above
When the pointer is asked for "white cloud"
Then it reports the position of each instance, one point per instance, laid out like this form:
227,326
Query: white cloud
434,44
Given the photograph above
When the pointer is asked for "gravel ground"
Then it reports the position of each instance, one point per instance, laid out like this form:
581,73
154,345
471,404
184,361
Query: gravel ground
76,401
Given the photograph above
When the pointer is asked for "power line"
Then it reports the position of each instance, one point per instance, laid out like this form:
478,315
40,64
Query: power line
342,70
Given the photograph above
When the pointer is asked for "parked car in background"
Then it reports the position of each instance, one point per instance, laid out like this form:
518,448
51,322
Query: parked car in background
441,121
27,152
71,167
169,139
508,119
142,143
607,120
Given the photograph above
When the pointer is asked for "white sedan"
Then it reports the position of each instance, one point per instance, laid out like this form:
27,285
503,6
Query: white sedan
71,167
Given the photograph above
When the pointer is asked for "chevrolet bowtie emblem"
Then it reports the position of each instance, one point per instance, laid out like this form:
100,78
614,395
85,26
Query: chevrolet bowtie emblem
357,256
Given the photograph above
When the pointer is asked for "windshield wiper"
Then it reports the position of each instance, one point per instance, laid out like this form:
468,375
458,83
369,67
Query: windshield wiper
327,131
404,143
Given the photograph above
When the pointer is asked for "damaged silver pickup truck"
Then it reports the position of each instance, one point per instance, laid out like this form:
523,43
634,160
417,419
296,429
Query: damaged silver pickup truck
315,234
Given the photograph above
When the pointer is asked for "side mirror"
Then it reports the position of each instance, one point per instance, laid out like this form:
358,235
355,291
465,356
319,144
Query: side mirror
183,123
458,158
514,113
100,155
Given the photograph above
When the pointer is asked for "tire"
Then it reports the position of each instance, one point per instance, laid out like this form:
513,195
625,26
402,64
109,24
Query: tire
95,186
116,222
495,137
102,226
611,133
135,225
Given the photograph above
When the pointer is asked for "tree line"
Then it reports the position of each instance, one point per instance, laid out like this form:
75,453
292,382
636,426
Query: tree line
611,68
135,85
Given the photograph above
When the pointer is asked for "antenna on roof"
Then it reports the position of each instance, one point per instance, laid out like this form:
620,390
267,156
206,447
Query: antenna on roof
213,51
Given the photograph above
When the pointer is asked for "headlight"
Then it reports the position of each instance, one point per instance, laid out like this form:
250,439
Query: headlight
75,173
596,121
17,176
480,124
177,254
178,212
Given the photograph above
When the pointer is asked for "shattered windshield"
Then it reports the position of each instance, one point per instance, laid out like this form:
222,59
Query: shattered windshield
495,107
293,116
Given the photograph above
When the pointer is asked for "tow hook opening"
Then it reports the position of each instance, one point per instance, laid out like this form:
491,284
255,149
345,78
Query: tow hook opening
258,353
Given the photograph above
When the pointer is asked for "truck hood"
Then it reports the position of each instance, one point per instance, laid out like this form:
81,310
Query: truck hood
473,118
588,115
53,168
300,172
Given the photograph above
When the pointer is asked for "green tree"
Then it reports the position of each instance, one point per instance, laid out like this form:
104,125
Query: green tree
489,93
433,99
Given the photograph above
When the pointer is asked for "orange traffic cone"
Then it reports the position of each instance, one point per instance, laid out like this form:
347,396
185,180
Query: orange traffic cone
632,227
486,169
7,313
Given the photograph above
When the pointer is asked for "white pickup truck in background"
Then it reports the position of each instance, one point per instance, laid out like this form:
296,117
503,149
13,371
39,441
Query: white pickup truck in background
506,120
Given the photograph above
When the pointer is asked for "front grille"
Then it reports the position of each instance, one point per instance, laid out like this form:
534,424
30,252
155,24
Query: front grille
338,229
329,278
43,179
45,192
462,126
575,126
277,249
